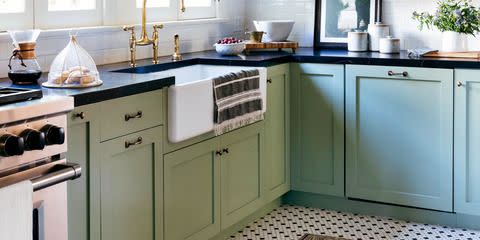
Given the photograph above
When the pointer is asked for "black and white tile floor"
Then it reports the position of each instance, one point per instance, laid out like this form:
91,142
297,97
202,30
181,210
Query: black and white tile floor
292,222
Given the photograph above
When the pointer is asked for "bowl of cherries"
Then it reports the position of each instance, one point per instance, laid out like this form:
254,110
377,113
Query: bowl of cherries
229,46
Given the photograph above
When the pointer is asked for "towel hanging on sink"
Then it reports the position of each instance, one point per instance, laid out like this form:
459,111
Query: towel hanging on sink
238,100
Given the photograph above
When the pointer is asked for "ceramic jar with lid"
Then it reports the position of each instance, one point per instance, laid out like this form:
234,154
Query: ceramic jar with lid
357,41
389,45
376,31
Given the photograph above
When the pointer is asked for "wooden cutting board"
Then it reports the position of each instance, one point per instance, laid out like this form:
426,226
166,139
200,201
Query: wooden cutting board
471,55
271,45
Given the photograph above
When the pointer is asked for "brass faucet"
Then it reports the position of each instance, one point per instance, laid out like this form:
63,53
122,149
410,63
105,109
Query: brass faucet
144,39
176,55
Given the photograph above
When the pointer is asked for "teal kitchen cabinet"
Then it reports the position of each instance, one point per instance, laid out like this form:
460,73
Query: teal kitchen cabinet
129,207
399,136
192,192
318,128
277,132
82,133
467,140
242,173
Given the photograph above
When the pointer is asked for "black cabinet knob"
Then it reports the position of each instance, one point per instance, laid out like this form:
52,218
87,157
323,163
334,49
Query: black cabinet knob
33,139
53,135
11,145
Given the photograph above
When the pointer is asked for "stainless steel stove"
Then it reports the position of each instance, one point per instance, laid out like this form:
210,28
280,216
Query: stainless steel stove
33,145
11,94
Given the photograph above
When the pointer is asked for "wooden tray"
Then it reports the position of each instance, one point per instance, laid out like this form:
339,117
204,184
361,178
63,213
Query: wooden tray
471,55
271,45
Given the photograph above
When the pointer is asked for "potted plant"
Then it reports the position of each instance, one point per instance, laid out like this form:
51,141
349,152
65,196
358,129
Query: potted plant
456,19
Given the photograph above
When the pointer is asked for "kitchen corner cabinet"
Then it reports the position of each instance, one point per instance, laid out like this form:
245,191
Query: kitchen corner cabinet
221,183
129,207
467,140
277,132
318,128
82,138
399,135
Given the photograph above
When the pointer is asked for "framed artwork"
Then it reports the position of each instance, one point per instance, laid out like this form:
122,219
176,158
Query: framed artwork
335,18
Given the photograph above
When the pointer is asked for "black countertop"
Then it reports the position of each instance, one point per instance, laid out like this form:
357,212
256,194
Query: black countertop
124,84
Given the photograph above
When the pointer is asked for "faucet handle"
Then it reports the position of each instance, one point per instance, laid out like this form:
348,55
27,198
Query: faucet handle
157,26
129,28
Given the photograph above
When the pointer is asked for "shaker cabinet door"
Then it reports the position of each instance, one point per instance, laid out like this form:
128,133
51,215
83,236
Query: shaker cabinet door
467,142
277,132
318,128
242,177
192,192
399,136
127,180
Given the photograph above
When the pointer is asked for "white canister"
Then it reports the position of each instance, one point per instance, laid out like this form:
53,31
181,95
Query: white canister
454,42
377,31
389,45
357,41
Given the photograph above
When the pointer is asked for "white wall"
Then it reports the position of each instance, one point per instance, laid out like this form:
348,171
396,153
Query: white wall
110,45
396,12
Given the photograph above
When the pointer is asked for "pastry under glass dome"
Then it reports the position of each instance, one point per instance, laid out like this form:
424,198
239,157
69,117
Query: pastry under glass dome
73,67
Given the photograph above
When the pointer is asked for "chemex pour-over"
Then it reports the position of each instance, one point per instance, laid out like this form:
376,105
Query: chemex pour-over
24,68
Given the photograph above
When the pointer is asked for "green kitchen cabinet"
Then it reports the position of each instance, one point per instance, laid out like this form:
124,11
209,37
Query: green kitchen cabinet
82,134
242,178
192,192
318,128
467,140
277,132
130,209
399,136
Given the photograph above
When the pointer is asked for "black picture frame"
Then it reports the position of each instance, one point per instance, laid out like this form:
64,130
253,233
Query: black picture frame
319,44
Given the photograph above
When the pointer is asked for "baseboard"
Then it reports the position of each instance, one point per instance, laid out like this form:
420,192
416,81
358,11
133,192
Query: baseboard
378,209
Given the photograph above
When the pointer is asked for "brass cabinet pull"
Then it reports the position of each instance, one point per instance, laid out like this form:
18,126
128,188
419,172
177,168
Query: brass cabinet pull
137,141
183,8
226,151
218,153
392,73
459,84
269,80
139,114
80,115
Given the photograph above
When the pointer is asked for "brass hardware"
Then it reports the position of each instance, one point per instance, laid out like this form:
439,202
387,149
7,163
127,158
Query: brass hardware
269,80
459,84
183,8
176,55
137,141
80,115
226,151
218,153
139,114
144,39
255,36
392,73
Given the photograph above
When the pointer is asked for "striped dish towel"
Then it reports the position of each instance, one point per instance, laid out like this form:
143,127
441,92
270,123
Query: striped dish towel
238,100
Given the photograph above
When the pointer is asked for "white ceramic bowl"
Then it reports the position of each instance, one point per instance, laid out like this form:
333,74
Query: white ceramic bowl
229,49
275,30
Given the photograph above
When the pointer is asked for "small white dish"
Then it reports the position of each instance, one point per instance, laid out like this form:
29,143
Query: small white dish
229,49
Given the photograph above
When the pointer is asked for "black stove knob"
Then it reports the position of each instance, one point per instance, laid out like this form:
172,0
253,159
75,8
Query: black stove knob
54,135
34,140
11,145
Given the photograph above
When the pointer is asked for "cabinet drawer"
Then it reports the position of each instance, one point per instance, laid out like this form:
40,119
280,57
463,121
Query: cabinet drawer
131,114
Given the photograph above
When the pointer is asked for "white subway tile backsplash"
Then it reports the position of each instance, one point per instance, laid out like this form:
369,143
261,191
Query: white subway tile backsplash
397,13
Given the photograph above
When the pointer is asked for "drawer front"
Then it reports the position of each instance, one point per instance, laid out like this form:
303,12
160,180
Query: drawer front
131,114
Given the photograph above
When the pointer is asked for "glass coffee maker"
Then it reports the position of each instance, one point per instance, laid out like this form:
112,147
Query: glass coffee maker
23,65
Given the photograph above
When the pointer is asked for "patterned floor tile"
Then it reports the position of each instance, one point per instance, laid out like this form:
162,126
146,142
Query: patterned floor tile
292,222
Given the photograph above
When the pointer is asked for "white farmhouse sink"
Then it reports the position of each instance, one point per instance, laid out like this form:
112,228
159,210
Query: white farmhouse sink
190,100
